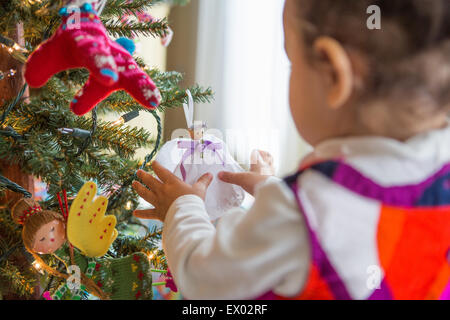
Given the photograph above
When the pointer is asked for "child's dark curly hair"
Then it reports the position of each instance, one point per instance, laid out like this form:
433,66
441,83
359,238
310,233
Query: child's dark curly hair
406,63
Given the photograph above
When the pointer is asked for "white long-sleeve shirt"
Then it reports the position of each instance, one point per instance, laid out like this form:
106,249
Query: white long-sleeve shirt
245,254
267,248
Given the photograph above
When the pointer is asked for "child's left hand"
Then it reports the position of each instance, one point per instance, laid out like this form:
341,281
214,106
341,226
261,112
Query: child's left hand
163,193
262,167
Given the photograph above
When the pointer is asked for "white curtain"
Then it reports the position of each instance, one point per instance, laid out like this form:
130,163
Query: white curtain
240,53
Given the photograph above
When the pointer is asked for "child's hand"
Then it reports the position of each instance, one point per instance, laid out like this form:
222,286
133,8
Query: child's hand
261,168
163,193
261,162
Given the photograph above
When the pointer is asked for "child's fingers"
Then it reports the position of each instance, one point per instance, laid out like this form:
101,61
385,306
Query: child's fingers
162,173
266,157
246,180
261,157
255,157
149,180
238,178
147,214
142,191
203,182
262,163
226,176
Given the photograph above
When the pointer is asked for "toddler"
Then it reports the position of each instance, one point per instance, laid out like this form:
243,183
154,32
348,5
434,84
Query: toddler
368,214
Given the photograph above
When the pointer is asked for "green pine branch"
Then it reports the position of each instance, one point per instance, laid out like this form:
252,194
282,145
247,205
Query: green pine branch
119,7
175,98
10,231
165,79
122,139
177,2
21,283
38,18
116,28
120,102
172,95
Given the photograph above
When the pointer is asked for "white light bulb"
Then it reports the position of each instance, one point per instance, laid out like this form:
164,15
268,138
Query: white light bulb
128,205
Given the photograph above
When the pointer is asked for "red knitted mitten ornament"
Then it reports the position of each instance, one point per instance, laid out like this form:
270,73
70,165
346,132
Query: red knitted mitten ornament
131,79
80,41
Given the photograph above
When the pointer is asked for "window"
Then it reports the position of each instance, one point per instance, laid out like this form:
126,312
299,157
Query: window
240,53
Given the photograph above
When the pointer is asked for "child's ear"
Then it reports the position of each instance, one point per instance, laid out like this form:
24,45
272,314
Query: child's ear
339,69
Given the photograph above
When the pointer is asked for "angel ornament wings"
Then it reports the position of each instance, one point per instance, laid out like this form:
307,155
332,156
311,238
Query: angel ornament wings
199,152
81,238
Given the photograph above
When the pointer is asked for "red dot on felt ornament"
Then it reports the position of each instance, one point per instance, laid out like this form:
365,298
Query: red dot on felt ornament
101,237
87,193
104,231
95,215
79,213
84,200
92,186
90,221
98,209
109,224
103,203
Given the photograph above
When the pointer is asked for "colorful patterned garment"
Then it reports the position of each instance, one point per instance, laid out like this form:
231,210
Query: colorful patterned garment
401,231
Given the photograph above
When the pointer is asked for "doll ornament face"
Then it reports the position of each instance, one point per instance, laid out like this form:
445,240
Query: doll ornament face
50,237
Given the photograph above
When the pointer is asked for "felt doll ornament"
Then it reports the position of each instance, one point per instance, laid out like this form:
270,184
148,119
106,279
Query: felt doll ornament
81,42
191,157
82,241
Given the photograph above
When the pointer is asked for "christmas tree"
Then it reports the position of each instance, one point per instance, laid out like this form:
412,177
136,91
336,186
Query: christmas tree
41,138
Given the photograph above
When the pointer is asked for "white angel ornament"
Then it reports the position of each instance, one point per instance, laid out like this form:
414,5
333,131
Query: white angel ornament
198,153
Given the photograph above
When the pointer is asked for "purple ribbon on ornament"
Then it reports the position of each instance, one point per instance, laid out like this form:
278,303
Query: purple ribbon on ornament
192,145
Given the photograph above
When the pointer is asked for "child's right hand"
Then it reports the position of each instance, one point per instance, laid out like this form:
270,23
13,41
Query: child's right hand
261,168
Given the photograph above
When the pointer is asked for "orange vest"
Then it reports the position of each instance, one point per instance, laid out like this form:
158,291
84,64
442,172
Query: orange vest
412,238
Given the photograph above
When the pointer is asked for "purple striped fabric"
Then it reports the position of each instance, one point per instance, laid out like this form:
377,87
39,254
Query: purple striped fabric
405,196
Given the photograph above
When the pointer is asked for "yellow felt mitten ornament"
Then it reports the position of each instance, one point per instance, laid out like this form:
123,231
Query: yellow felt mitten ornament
88,228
